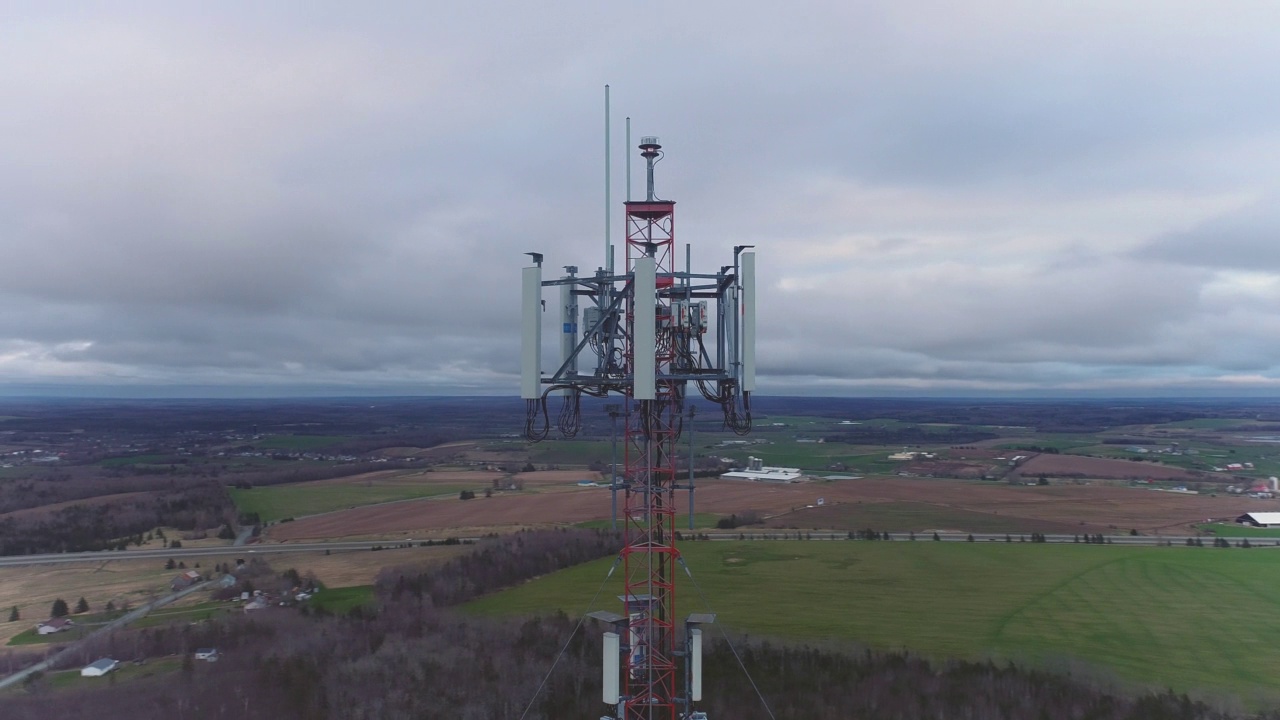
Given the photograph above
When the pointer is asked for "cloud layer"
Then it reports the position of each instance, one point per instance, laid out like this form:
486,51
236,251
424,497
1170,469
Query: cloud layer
1010,197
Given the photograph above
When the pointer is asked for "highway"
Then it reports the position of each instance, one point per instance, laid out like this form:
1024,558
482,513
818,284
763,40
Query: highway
183,553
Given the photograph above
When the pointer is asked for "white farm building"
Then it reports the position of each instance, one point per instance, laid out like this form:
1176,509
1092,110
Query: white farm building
98,668
756,471
1260,519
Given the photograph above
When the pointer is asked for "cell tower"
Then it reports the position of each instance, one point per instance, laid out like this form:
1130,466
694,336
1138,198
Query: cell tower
647,333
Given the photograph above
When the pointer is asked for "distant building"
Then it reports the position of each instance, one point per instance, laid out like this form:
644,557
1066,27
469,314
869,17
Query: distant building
48,627
1260,519
185,580
98,668
207,654
756,471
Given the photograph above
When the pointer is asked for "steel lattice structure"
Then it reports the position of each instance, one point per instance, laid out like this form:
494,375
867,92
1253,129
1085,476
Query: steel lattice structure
643,337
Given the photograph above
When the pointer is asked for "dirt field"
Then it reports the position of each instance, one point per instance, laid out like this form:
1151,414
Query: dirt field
1097,507
1077,466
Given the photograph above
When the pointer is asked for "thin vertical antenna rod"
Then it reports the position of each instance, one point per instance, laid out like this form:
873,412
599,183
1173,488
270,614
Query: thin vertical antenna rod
608,245
628,159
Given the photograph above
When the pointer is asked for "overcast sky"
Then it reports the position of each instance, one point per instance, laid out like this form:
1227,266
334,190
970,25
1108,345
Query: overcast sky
333,197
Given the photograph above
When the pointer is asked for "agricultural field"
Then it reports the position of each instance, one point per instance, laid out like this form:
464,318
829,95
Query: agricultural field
1194,619
276,502
898,516
973,506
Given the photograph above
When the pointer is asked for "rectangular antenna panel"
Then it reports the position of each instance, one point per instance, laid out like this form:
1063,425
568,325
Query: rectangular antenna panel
612,655
749,321
695,664
568,328
531,333
643,344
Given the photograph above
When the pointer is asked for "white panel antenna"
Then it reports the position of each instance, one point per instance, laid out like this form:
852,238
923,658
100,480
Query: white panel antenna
644,367
749,321
531,334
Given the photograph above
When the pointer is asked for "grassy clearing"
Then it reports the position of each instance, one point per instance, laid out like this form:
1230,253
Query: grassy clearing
1234,530
340,601
300,443
912,516
190,613
575,452
71,679
701,521
1182,617
281,501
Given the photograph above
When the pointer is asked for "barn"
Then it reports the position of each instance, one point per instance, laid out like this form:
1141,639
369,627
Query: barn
1260,519
98,668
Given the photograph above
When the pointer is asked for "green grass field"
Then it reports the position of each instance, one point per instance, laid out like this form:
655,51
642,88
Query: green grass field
1188,618
340,600
1233,530
71,679
912,516
281,501
299,443
701,521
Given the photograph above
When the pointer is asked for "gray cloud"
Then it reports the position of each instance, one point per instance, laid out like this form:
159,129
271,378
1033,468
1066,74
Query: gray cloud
1056,196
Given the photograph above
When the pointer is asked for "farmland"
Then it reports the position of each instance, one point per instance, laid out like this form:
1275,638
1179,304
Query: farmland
1192,619
881,503
281,501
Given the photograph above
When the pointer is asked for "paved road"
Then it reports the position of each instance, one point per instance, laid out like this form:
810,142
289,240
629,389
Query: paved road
180,553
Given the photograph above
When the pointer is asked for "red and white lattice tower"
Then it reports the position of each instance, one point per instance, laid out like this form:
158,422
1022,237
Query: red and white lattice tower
646,333
649,553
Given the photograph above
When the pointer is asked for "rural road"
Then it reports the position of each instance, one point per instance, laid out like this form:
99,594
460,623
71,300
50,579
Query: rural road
179,553
745,533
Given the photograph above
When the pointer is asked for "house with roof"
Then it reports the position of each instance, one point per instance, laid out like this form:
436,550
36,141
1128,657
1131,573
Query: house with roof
98,668
207,654
185,580
54,625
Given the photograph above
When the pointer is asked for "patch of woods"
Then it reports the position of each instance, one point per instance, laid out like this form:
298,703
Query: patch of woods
113,523
414,656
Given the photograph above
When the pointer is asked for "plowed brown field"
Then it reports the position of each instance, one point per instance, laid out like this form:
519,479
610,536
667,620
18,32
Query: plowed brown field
1097,507
1091,467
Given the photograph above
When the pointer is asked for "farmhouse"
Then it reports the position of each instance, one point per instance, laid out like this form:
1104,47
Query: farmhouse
207,654
757,472
98,668
1260,519
185,580
48,627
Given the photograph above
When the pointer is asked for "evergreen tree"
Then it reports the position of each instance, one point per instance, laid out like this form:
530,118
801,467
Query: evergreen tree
82,606
13,614
59,608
